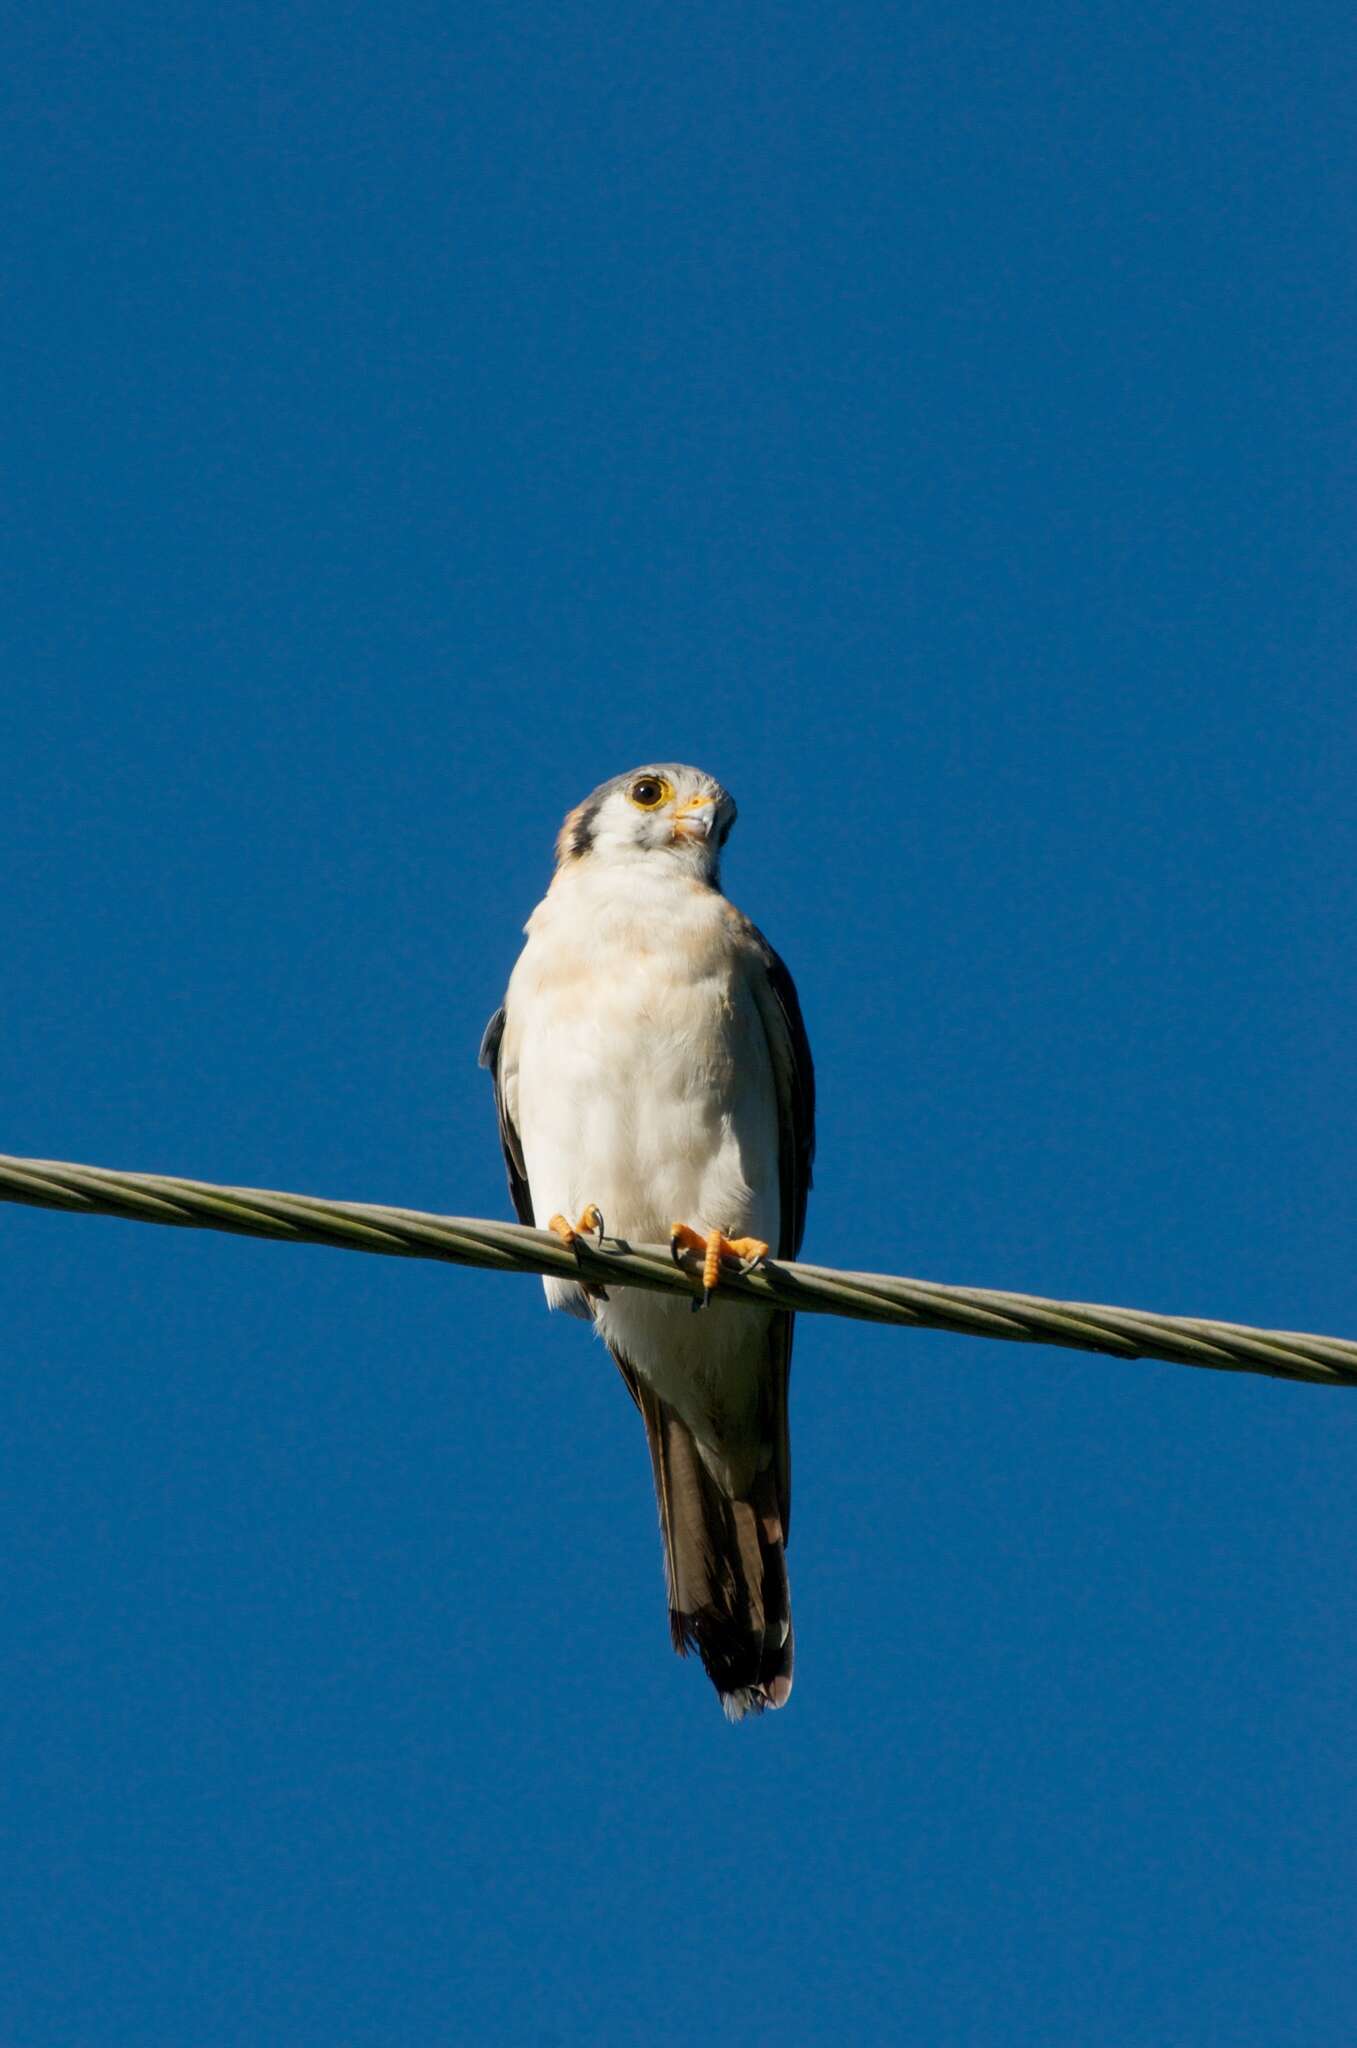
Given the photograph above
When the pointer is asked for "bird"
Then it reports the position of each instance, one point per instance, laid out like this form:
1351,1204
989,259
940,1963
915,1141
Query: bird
652,1075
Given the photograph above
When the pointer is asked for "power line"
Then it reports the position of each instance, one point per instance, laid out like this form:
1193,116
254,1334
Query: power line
813,1290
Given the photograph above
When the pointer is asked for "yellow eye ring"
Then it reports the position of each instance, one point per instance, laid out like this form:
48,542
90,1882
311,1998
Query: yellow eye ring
648,792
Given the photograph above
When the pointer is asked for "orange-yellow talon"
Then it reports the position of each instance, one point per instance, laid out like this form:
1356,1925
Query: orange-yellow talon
711,1263
715,1246
589,1225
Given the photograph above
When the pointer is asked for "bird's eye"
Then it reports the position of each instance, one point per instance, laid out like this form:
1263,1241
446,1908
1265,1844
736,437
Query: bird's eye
649,791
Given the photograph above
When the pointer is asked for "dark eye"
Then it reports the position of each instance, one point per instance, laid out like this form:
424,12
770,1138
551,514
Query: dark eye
647,791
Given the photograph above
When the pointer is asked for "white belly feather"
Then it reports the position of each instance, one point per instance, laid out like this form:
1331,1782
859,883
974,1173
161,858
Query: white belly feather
639,1078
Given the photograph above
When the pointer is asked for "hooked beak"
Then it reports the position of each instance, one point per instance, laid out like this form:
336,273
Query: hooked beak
696,819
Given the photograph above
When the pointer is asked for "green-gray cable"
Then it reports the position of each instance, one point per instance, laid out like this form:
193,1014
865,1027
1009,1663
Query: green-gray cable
814,1290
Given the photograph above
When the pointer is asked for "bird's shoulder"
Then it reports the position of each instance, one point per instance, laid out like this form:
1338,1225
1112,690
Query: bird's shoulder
756,954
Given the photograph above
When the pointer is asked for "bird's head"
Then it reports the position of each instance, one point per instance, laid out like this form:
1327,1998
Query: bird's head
667,813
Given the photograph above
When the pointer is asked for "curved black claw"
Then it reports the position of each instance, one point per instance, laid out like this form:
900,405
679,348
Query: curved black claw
594,1291
680,1250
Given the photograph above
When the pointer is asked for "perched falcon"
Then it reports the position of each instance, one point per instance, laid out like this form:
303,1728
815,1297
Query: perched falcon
652,1077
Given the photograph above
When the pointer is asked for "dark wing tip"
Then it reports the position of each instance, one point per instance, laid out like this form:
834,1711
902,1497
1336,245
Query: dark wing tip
490,1039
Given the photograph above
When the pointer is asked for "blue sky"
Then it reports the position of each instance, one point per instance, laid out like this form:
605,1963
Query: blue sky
940,427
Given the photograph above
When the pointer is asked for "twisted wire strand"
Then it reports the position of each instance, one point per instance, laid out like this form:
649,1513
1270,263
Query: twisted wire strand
813,1290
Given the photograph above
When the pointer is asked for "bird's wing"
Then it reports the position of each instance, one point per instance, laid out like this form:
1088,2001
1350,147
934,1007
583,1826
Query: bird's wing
509,1139
794,1085
794,1080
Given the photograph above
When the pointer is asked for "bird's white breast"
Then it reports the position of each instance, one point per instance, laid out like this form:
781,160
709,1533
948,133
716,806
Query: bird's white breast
638,1075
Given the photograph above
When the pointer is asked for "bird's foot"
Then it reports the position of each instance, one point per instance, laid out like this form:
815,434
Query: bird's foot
590,1225
686,1246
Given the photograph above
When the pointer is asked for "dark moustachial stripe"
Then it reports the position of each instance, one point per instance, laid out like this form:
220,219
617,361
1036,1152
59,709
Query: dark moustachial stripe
577,833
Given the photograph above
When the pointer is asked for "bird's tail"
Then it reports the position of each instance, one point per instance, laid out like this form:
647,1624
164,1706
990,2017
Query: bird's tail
726,1566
